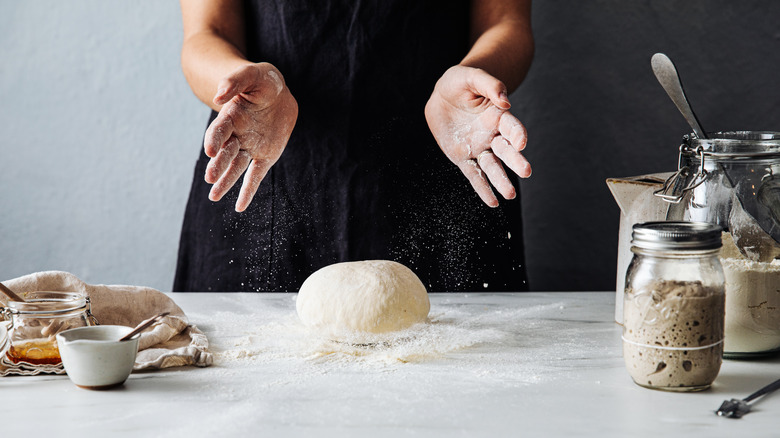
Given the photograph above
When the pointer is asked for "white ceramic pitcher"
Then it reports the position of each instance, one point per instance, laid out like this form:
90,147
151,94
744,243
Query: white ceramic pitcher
634,196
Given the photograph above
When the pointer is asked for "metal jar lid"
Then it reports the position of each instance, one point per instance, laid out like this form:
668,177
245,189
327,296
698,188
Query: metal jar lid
677,235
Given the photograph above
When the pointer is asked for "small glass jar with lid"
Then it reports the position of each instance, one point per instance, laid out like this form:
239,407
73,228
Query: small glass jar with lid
35,322
674,304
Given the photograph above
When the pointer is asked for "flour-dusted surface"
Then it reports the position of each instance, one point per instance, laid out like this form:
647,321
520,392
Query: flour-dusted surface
476,350
489,365
483,338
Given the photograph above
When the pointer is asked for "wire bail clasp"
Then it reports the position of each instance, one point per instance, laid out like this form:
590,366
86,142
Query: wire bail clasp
674,187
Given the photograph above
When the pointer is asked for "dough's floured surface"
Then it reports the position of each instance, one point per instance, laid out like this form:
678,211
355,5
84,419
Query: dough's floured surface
373,296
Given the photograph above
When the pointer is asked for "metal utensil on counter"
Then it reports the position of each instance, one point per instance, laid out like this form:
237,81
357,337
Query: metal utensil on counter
736,408
666,73
10,294
144,325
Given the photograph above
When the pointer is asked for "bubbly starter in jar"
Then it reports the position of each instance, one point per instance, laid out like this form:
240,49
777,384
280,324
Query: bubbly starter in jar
673,306
673,333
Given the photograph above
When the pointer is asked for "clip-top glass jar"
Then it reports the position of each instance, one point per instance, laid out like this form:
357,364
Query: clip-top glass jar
673,309
733,179
36,321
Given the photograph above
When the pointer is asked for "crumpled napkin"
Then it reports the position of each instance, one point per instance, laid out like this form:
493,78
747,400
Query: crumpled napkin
171,342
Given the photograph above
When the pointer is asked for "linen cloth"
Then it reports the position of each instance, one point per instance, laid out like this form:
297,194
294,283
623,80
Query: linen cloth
171,342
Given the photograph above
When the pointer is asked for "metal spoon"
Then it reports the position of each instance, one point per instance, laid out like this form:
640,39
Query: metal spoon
666,73
143,326
735,408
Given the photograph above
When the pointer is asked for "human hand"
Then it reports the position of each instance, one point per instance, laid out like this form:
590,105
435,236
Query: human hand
468,114
251,131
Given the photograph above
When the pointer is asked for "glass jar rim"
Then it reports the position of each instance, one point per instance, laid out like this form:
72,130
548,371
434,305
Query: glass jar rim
48,302
675,254
735,144
676,236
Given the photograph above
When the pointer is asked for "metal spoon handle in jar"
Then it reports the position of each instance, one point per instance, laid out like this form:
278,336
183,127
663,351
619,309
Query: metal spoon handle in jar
144,325
735,408
666,73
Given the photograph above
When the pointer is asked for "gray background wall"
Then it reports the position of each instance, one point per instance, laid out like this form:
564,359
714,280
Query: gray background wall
100,131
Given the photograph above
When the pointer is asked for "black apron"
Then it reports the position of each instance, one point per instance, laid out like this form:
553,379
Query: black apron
361,177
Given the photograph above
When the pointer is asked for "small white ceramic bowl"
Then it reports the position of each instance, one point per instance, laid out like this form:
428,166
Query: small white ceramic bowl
94,358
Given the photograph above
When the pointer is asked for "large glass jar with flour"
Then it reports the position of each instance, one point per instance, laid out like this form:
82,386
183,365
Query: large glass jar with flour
733,179
673,308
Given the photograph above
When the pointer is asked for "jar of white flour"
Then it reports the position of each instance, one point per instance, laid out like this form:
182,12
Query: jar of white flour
752,304
673,309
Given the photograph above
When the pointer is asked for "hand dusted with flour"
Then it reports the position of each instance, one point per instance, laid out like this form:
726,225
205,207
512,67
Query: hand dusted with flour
373,296
254,124
469,116
361,177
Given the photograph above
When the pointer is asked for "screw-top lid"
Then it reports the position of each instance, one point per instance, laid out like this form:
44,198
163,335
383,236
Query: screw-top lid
677,235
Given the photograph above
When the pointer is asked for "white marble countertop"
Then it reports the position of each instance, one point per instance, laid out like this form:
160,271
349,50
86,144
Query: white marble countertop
531,364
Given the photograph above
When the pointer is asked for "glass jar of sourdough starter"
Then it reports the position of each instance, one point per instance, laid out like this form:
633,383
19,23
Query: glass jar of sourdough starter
673,309
36,321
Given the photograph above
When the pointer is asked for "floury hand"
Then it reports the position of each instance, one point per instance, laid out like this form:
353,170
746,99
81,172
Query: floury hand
468,114
251,131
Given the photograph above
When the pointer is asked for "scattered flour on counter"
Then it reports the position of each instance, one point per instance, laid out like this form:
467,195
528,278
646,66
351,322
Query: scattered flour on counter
490,341
287,338
474,350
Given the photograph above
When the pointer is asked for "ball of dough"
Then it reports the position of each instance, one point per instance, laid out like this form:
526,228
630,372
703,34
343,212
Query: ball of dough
373,296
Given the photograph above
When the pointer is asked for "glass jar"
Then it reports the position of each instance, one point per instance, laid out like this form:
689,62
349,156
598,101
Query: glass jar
730,179
673,308
35,322
733,179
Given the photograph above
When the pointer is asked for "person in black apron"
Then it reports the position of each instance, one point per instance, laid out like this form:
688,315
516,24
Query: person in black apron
327,108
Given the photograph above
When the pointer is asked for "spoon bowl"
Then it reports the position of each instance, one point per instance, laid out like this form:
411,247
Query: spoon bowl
666,73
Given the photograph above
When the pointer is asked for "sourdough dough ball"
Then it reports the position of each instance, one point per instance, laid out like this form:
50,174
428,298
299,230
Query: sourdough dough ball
373,296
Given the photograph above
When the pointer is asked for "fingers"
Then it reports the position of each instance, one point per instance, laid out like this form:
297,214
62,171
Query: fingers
477,179
222,160
496,174
256,170
229,178
217,134
483,84
252,179
514,131
511,157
